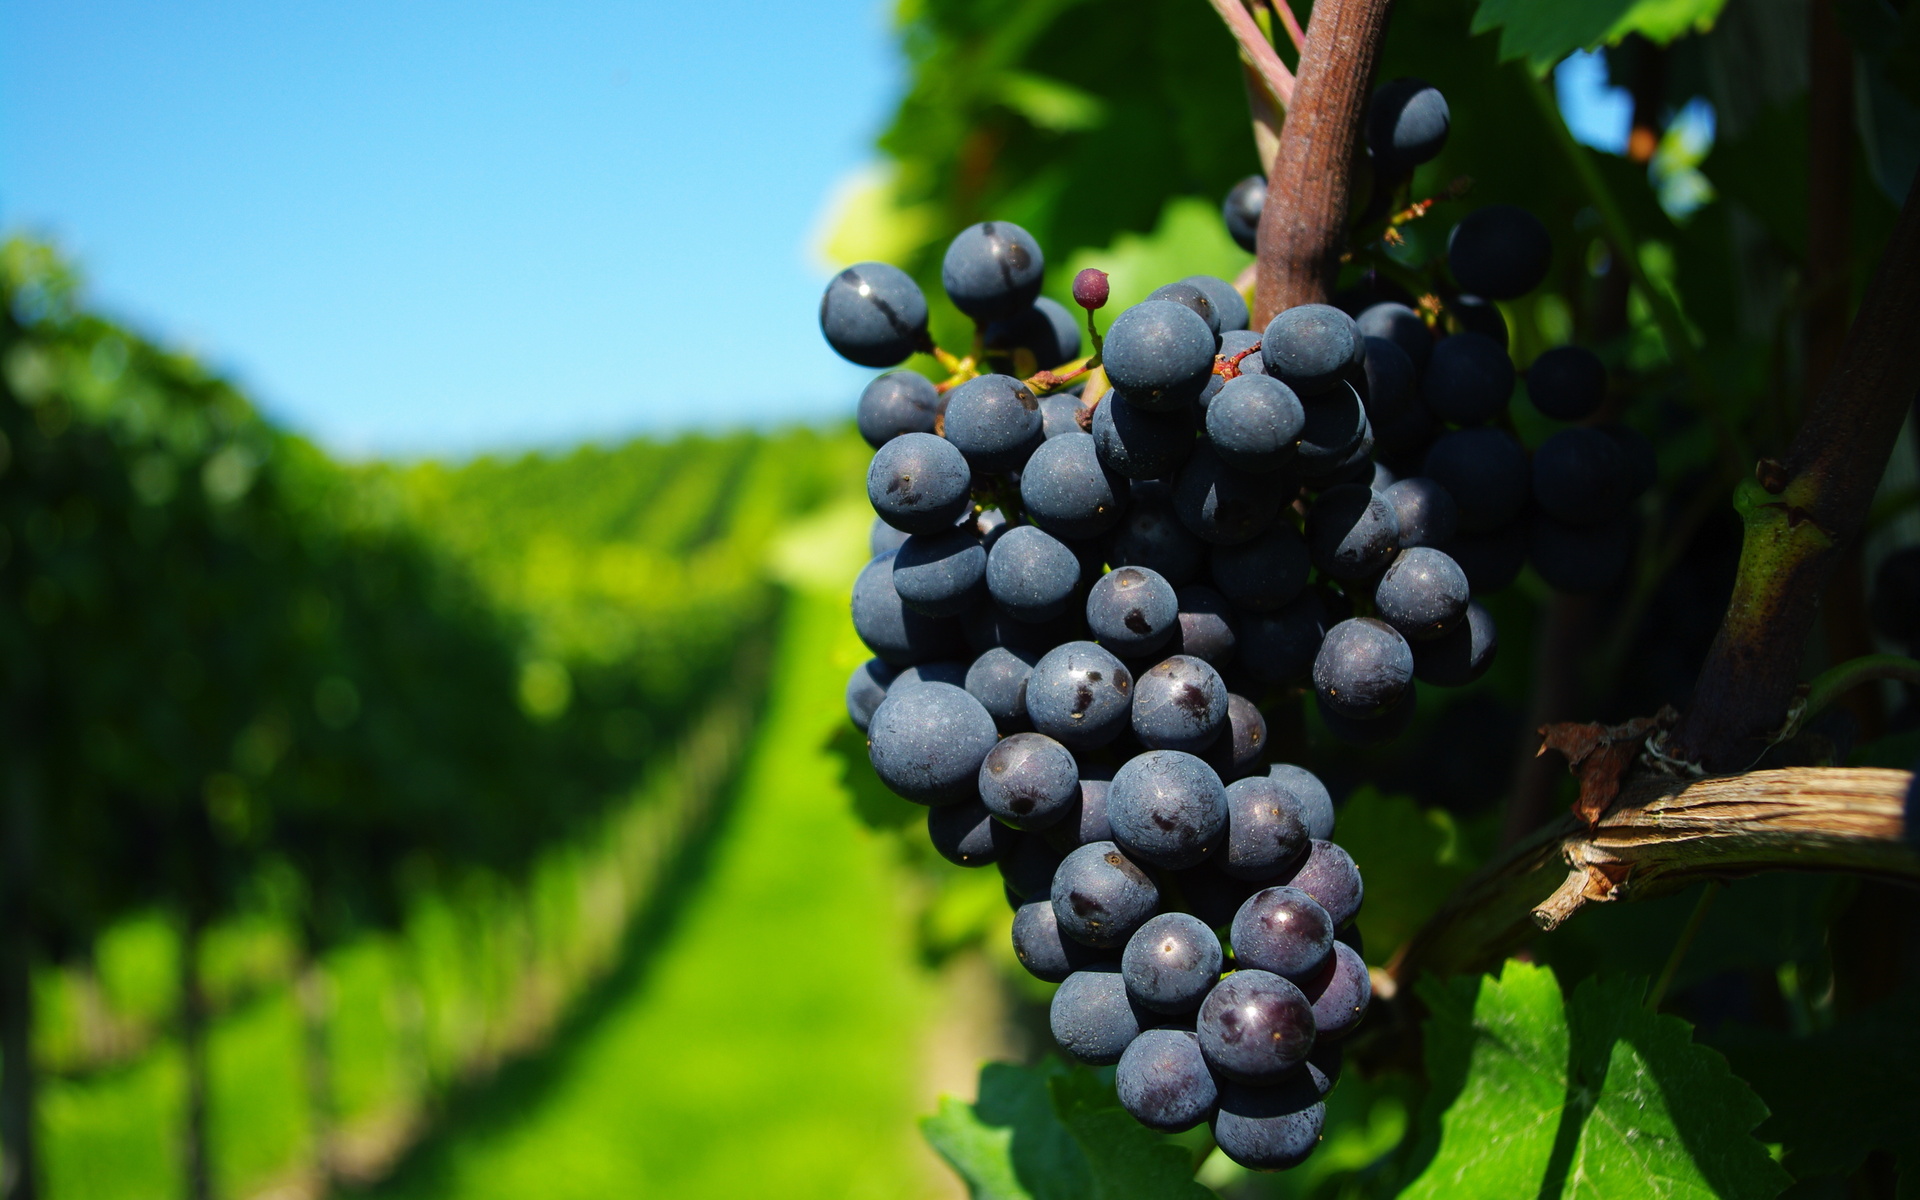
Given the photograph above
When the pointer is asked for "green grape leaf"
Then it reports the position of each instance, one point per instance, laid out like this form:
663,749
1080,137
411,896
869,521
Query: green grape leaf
1052,1132
1543,34
1411,858
1128,1161
1597,1098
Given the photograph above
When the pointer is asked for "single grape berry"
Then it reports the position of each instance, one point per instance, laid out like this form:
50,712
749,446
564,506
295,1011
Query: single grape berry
1047,331
1227,301
1237,751
866,688
1266,829
1426,512
1100,895
995,422
1179,703
1091,1017
1469,379
1139,444
941,574
1400,325
940,671
1265,573
874,314
1581,559
1080,694
1499,252
1163,1082
919,483
1060,415
1352,531
927,741
1041,949
894,632
1255,1027
883,538
1132,611
1364,667
1029,781
1269,1128
1309,346
1567,383
1206,626
1167,808
1068,491
1471,314
1423,594
1171,963
1028,864
1241,211
1336,434
1086,820
1150,535
1254,422
1200,302
1316,803
1283,930
1491,559
1580,477
896,403
1486,473
1031,574
1406,124
965,834
998,680
1158,354
1223,505
1340,992
992,270
1090,289
1329,876
1460,656
1277,648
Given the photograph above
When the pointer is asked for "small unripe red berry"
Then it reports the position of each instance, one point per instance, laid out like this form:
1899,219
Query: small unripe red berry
1090,289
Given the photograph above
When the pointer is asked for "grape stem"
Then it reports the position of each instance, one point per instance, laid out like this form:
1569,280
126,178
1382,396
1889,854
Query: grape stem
1284,14
1831,683
1256,49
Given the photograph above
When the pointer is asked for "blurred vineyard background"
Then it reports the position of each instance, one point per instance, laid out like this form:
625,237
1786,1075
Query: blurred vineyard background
493,827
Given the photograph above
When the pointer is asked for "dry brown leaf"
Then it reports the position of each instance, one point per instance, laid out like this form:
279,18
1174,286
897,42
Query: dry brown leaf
1600,755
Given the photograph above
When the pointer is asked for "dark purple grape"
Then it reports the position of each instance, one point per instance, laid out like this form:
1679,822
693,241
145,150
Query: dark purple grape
1241,211
1228,304
1028,863
1471,314
1423,594
1269,1128
1222,505
1167,808
1363,667
1316,803
1150,535
1042,951
1282,930
1047,331
1163,1082
1060,415
941,574
1080,695
1100,896
1171,963
1278,648
1400,325
998,680
945,670
1068,492
1486,473
1140,444
1132,611
989,625
1329,876
1567,383
866,688
1189,296
995,422
1266,829
883,538
896,403
1254,423
919,483
1206,626
889,628
1265,573
1091,289
1255,1027
1086,819
1370,731
1031,574
1581,560
1336,433
1406,124
1580,477
1309,346
965,834
1392,382
1339,992
1425,510
1500,252
1091,1017
1179,703
1158,354
1352,531
1029,781
1469,379
992,270
1491,560
1238,749
926,742
1460,656
874,314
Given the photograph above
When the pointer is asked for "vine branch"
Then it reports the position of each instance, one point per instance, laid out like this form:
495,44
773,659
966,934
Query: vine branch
1659,837
1257,50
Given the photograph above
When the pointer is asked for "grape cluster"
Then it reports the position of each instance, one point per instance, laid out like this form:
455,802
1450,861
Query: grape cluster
1090,576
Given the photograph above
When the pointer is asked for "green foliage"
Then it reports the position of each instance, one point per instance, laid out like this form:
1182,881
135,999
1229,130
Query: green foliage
1410,858
1543,34
1593,1097
1052,1132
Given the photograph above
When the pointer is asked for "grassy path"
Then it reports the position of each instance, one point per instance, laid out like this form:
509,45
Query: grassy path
773,1042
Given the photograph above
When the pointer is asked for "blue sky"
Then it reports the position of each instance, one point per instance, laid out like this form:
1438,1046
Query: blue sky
437,227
